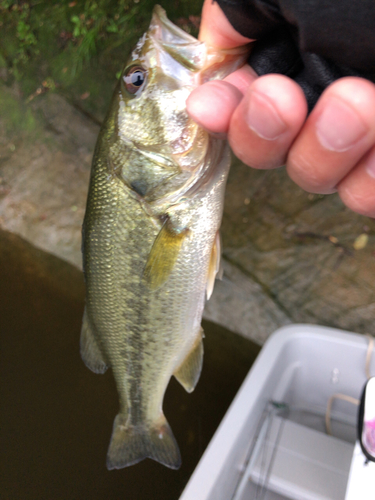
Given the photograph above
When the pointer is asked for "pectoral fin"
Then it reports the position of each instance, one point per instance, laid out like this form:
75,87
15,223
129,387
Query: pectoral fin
188,373
90,350
214,266
163,255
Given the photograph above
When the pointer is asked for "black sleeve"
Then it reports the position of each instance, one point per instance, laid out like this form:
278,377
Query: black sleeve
312,41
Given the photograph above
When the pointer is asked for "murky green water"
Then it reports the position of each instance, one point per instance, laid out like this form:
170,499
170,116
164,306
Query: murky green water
56,416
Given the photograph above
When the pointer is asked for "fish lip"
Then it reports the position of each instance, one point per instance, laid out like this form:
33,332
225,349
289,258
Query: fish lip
181,46
159,16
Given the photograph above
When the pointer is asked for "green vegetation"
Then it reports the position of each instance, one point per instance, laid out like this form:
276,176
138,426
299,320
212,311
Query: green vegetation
77,47
19,116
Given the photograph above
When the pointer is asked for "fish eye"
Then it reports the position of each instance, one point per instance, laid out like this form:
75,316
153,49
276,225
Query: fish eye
134,79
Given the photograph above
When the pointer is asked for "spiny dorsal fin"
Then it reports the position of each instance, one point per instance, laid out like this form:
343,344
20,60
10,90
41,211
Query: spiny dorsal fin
189,371
90,350
163,255
214,266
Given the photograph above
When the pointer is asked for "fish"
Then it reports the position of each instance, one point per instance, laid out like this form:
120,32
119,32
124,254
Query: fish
151,244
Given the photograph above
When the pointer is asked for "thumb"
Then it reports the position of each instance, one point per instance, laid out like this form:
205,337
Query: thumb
216,30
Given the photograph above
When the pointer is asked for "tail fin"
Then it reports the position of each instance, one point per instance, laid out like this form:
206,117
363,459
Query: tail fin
130,444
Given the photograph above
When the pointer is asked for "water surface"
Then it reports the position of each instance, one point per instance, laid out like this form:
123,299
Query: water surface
56,416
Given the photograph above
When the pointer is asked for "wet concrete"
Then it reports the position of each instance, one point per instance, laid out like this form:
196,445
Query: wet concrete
56,416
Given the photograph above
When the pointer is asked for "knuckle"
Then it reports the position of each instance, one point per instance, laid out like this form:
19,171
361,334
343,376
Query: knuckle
257,157
358,201
303,172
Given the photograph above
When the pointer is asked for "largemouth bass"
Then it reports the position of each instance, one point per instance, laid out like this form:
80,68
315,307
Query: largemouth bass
150,235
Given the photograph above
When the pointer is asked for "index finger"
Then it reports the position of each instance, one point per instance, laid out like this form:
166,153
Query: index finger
216,30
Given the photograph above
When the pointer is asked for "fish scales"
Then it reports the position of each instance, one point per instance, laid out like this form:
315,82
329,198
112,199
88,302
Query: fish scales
149,236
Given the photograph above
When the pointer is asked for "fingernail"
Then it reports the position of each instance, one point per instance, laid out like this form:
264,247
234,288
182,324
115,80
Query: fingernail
339,127
370,164
263,118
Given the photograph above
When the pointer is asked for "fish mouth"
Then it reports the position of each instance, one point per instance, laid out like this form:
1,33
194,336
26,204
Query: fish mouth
170,33
184,48
194,55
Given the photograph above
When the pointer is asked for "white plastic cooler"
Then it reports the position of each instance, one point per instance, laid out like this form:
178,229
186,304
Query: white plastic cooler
272,443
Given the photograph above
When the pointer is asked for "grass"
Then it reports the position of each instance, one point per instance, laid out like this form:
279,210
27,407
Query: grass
19,117
77,47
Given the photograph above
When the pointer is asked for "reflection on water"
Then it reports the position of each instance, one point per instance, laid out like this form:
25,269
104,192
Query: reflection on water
56,416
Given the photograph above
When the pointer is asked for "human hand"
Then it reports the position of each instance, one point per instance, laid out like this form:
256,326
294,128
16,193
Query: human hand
265,120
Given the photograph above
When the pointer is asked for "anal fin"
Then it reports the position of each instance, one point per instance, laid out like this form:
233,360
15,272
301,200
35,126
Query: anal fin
90,350
189,371
163,255
132,443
